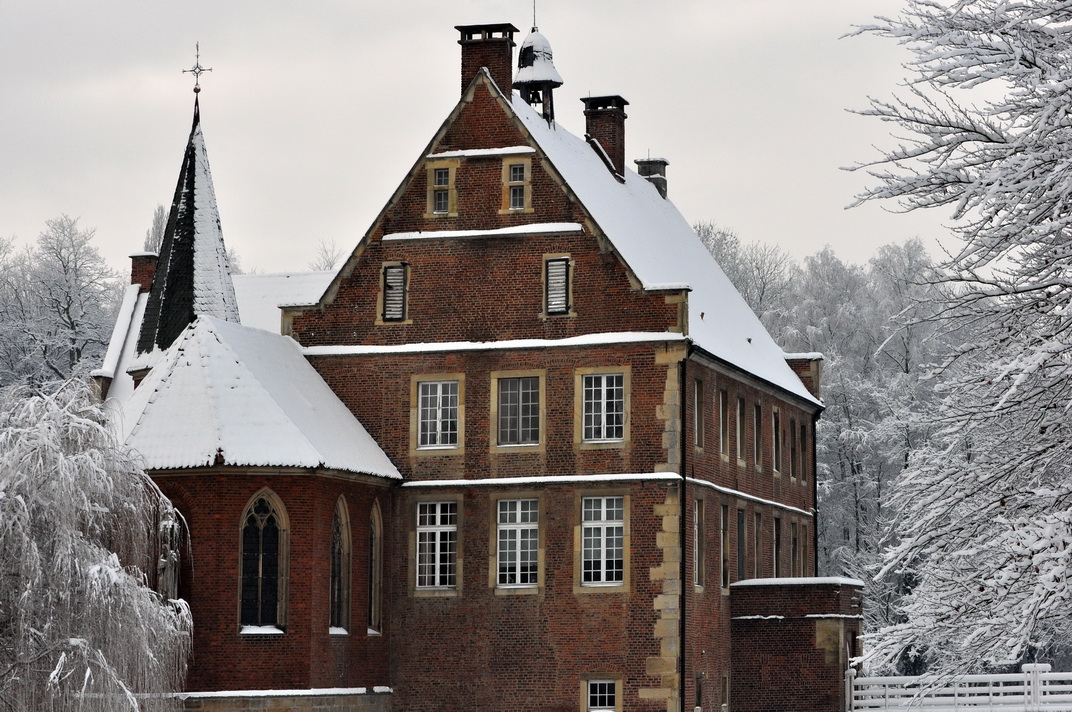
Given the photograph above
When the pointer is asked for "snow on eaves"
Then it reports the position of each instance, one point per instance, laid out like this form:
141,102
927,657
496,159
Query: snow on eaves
247,397
122,326
481,152
661,248
512,231
261,295
800,581
600,339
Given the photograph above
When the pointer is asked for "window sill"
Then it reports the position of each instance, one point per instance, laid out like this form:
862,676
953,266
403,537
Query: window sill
516,590
260,630
441,592
336,630
602,444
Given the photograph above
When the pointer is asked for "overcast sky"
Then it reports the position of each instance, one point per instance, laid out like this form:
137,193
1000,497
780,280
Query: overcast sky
315,111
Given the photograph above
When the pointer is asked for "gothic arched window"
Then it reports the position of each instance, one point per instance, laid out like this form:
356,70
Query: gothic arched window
340,566
375,569
265,541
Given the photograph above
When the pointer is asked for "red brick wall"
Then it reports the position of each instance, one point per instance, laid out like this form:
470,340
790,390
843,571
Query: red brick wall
791,645
482,651
142,270
305,656
481,289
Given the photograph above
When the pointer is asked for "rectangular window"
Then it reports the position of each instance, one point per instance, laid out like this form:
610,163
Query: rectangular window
519,542
723,423
777,555
604,407
437,414
441,191
698,542
724,540
776,440
519,411
602,696
603,534
740,429
395,284
803,452
698,414
804,549
516,185
757,435
794,551
437,544
757,543
793,452
740,545
557,285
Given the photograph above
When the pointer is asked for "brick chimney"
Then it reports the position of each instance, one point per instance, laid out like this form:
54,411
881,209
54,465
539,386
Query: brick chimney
605,122
143,269
490,46
654,169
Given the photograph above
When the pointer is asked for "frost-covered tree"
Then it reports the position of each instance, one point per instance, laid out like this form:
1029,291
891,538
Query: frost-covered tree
79,627
761,273
57,304
154,236
985,510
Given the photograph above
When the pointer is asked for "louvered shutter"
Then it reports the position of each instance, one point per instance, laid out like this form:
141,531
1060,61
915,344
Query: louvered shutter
558,286
394,293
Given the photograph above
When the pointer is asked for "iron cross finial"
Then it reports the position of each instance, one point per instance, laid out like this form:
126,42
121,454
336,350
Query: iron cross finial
197,70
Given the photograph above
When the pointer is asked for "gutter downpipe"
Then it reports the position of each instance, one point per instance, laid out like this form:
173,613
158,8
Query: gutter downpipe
815,492
683,528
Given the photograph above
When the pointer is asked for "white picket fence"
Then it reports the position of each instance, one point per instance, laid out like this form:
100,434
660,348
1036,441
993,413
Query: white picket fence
1034,689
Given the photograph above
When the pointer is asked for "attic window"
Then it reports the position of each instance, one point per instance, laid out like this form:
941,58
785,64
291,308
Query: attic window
557,285
442,196
393,297
516,188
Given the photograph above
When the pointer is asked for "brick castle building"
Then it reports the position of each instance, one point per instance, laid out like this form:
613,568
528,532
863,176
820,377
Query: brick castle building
526,449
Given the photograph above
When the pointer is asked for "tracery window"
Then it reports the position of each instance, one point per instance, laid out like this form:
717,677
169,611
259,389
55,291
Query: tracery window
340,568
264,562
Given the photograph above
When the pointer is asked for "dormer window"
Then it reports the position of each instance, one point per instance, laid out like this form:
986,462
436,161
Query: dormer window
517,190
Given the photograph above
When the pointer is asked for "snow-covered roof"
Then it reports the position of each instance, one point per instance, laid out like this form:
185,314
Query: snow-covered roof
248,397
261,295
193,276
661,249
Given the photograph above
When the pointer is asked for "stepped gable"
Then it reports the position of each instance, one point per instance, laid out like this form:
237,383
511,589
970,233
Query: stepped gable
227,394
193,276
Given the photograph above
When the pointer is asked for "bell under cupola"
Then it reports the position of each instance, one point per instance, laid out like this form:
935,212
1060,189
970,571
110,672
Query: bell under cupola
193,274
537,77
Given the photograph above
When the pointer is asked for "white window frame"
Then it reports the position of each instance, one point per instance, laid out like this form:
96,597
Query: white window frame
603,540
528,409
601,695
432,417
437,545
517,542
601,407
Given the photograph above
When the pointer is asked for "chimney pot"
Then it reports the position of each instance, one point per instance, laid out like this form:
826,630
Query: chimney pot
605,122
490,46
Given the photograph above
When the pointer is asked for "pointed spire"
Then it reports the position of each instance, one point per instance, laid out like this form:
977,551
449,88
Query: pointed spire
193,276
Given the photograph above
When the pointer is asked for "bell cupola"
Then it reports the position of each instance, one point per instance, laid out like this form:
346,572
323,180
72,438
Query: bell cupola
536,74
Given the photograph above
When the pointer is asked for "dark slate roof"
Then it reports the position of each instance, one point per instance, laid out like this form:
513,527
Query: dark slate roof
193,276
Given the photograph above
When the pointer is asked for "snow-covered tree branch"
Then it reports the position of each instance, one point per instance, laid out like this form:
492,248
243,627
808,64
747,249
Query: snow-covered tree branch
984,521
80,629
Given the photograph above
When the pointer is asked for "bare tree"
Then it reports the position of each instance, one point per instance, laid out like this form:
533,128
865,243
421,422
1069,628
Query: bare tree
79,627
328,255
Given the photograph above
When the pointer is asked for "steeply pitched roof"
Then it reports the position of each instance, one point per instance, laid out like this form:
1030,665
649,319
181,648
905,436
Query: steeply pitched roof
193,276
664,252
228,394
